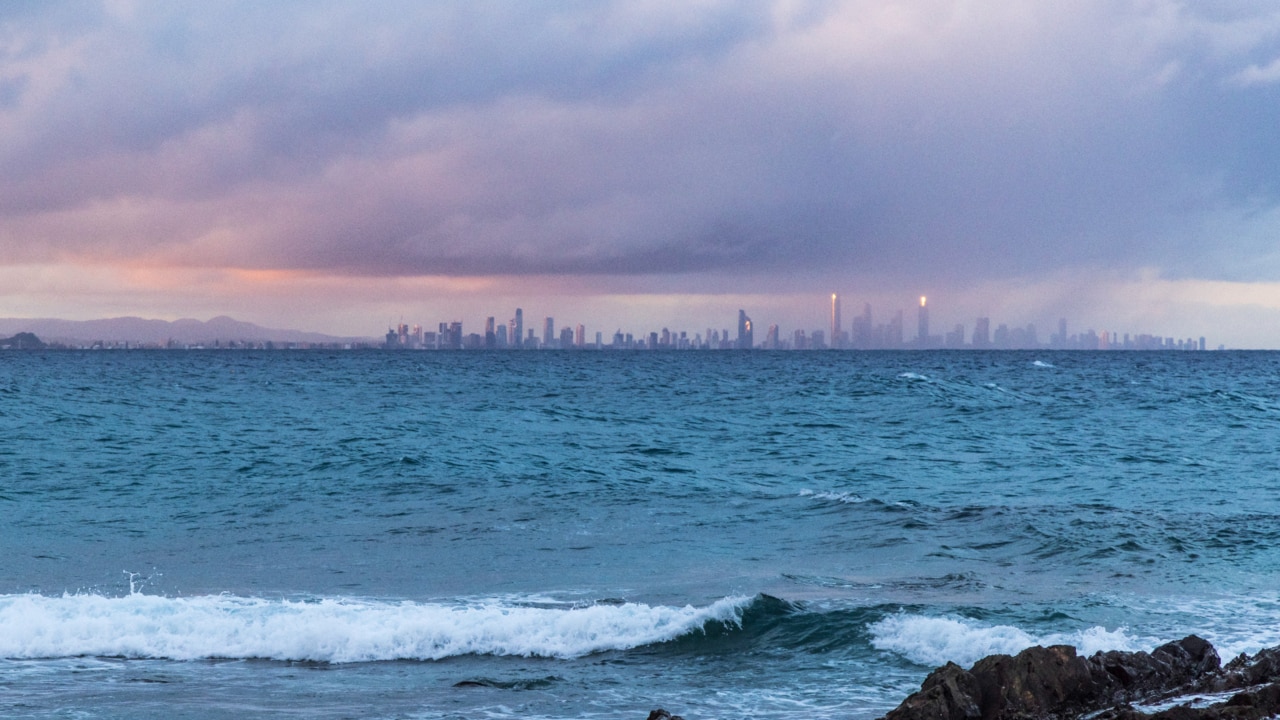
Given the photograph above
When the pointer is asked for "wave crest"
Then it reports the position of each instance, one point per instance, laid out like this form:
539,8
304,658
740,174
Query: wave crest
333,630
939,640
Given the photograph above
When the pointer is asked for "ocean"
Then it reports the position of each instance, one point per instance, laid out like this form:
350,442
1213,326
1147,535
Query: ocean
492,535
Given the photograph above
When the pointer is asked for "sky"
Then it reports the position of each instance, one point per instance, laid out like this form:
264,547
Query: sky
340,166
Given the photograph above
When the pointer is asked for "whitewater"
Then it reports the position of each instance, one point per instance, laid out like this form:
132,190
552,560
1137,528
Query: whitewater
329,630
595,534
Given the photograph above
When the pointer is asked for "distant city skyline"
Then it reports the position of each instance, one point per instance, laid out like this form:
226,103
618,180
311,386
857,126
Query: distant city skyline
868,329
863,334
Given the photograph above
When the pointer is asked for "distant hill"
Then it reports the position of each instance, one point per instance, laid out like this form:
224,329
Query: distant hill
142,331
22,341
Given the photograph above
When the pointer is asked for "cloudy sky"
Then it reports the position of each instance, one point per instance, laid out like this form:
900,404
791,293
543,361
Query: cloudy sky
336,166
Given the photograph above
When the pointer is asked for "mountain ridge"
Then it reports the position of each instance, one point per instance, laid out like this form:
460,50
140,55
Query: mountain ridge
133,329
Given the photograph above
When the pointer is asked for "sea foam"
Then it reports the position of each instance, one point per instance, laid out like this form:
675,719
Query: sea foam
841,497
331,630
938,640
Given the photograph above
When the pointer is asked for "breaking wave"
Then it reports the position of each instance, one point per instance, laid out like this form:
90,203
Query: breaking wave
939,640
333,630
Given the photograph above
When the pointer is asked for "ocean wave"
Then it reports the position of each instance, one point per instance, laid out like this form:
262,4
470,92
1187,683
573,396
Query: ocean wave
939,640
1235,624
336,630
841,497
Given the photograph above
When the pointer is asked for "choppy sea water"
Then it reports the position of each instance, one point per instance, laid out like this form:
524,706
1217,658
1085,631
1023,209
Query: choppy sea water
583,534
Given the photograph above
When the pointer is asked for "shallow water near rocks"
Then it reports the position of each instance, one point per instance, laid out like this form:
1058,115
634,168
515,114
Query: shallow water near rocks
596,534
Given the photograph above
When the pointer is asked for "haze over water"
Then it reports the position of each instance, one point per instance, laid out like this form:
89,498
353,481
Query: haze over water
568,534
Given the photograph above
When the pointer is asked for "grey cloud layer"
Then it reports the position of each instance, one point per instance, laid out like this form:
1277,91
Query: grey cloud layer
945,138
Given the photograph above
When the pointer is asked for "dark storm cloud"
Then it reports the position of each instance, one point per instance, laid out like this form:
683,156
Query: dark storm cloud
947,139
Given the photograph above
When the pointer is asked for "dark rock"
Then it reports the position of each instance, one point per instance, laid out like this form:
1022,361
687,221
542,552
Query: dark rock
1245,671
1037,682
949,693
1166,669
1054,683
661,714
1040,682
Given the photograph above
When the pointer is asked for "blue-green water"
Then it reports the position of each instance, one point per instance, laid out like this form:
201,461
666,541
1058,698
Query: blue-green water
596,534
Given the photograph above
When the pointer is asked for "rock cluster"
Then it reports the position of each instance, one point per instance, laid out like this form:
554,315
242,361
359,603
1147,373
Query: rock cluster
1055,683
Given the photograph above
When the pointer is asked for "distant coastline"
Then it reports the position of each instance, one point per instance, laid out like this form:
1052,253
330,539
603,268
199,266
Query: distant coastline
29,342
134,333
225,333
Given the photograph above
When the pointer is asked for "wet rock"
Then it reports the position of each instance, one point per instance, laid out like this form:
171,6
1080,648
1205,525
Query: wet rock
1040,682
1169,668
1055,683
949,693
1245,671
661,714
1044,682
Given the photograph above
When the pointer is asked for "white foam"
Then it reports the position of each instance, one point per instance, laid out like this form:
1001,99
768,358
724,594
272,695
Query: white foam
1234,624
1195,700
846,497
913,376
1042,364
938,640
331,630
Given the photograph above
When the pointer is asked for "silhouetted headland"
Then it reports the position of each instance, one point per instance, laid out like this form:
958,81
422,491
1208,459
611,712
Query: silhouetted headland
22,341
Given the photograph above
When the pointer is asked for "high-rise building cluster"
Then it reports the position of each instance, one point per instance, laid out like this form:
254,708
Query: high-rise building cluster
864,333
513,336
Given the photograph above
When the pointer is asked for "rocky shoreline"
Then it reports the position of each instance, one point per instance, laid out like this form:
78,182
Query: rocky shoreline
1183,680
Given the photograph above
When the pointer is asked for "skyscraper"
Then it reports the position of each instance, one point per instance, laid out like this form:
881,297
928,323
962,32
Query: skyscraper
982,333
922,329
861,328
771,341
836,332
549,333
517,329
450,336
745,339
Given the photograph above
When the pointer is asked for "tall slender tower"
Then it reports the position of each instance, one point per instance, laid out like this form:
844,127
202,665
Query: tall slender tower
517,329
837,335
746,339
922,330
